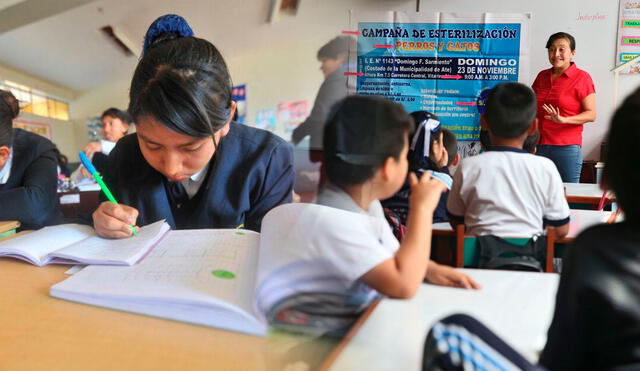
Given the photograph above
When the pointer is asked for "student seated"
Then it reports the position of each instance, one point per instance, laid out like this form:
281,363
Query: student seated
366,145
28,172
433,157
188,162
596,323
115,125
507,191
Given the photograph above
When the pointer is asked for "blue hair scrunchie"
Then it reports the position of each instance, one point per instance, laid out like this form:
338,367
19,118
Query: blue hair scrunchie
168,23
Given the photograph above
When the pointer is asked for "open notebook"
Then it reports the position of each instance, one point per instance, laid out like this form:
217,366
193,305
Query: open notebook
79,244
214,277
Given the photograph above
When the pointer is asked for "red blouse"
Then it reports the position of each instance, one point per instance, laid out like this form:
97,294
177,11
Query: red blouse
566,92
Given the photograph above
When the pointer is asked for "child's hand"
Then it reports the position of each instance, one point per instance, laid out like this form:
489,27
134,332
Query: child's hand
425,193
114,220
446,276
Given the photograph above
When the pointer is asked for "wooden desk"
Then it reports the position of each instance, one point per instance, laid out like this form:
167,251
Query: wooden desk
8,227
583,219
44,333
83,202
393,336
583,193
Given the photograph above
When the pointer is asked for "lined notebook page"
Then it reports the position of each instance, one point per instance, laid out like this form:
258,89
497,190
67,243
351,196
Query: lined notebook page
187,266
125,251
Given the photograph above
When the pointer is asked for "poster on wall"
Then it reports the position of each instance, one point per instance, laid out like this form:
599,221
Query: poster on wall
239,95
266,119
628,35
439,62
291,114
34,127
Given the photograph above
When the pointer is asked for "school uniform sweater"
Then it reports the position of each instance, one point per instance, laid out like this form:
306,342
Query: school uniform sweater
250,173
29,195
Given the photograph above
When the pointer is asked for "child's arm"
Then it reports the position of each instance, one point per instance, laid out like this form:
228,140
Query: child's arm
455,204
556,213
400,276
444,275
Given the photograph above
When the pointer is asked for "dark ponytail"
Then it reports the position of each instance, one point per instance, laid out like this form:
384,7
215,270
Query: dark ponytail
9,109
181,81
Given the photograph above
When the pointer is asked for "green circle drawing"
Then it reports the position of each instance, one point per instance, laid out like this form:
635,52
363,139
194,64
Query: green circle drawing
221,273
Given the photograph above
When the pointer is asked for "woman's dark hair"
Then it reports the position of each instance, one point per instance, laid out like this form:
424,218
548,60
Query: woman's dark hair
450,143
336,47
114,112
622,170
183,82
417,160
561,35
9,109
360,135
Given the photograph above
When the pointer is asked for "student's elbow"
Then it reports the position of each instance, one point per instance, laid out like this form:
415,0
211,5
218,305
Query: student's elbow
402,291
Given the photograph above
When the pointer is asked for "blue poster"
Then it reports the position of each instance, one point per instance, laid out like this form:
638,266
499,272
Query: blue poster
239,95
438,67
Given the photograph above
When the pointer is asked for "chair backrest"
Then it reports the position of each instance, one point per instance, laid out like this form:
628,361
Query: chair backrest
468,250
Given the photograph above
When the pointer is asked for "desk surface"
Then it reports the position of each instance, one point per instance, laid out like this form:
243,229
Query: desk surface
583,190
8,225
580,220
393,336
41,332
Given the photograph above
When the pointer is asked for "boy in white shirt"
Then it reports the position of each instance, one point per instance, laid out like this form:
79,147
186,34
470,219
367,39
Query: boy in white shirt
347,243
507,191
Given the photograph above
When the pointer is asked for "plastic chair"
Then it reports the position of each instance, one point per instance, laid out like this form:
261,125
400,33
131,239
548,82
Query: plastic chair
468,250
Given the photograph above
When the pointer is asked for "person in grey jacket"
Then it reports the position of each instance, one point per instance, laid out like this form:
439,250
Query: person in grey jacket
333,58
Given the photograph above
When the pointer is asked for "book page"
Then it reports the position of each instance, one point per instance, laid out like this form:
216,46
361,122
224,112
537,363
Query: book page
36,245
188,266
124,251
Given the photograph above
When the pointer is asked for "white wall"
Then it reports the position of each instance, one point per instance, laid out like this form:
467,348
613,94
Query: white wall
63,133
278,60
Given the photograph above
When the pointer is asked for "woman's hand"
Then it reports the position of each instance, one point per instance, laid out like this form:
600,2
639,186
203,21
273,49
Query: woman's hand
553,114
112,220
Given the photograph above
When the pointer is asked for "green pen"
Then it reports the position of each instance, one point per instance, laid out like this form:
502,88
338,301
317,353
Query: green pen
92,170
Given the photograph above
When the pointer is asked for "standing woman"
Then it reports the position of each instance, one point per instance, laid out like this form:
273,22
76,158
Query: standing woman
566,101
188,162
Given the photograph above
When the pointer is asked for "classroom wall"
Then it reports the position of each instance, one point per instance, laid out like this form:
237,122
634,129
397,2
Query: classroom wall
286,68
63,133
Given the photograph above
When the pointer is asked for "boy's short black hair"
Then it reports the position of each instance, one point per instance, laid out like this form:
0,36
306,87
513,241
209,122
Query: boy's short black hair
561,35
9,110
530,142
337,47
511,108
450,144
119,114
361,133
622,170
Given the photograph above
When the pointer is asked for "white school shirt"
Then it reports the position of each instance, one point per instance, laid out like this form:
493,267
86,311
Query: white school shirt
5,172
507,192
193,184
322,249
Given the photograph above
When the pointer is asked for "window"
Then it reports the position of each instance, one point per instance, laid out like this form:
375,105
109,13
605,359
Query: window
37,102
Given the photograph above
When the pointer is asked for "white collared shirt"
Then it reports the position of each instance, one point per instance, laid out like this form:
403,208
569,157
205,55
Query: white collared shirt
5,172
192,185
